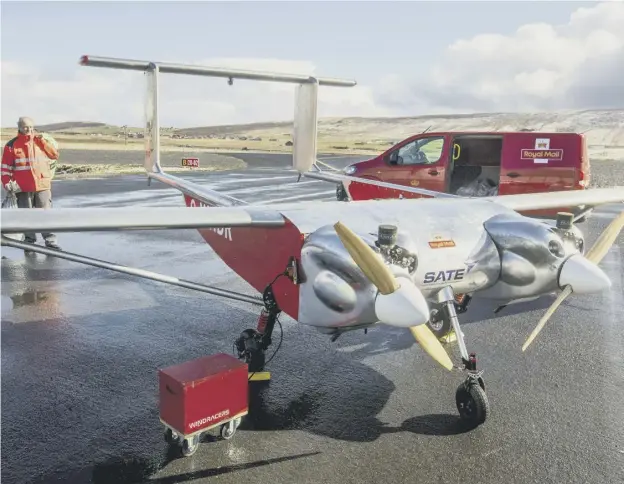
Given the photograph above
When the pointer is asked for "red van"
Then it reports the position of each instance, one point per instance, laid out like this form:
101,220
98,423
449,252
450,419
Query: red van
476,164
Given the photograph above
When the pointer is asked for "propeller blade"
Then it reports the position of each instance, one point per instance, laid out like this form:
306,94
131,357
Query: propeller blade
594,255
606,240
427,340
564,294
396,304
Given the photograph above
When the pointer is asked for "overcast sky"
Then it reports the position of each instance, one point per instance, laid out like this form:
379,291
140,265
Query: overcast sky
409,58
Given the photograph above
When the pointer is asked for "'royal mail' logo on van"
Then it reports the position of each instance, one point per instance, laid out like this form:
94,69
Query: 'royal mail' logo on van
541,154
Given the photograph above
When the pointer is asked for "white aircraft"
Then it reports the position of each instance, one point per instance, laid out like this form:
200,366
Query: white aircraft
338,267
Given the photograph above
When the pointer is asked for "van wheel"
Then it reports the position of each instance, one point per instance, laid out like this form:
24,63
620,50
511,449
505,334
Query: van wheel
341,195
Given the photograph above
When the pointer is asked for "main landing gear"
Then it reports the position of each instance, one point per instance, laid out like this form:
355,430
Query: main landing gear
252,344
470,397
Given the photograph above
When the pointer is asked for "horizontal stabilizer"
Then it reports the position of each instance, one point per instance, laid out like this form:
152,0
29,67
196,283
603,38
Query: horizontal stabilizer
196,70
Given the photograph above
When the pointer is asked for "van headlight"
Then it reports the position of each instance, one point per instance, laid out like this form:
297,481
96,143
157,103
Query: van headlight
349,170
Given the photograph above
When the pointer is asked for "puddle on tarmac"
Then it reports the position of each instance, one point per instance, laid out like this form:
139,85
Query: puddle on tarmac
30,298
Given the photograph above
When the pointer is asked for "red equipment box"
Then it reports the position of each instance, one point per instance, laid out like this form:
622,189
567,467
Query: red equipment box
200,394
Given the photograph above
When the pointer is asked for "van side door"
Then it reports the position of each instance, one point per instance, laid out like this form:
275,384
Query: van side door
421,162
538,162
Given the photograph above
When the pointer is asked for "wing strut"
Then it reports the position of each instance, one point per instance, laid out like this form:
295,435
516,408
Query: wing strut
154,276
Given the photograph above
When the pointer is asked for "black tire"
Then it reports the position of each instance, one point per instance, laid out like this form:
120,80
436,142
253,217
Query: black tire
441,327
472,404
256,361
341,195
254,354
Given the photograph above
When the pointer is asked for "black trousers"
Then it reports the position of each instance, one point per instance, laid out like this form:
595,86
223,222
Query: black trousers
42,199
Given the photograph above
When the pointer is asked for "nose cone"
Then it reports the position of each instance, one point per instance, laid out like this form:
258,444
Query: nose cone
404,308
584,276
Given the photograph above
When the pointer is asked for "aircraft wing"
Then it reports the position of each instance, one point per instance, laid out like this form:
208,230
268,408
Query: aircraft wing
18,220
571,198
339,178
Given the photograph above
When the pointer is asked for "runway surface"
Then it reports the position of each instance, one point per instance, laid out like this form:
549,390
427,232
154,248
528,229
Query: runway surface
81,347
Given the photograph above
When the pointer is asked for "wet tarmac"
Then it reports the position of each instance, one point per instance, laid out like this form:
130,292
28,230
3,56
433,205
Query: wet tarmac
81,347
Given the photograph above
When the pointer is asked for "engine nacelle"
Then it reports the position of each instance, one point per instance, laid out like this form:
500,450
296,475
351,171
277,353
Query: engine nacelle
532,253
336,292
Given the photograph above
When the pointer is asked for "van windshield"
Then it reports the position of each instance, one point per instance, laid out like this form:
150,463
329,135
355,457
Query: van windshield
423,151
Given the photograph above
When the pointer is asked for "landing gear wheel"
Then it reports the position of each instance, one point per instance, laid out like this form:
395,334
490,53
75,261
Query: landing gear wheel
256,360
472,403
249,348
190,446
439,324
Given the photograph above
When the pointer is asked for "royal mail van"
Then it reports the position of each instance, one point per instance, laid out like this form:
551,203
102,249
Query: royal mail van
476,164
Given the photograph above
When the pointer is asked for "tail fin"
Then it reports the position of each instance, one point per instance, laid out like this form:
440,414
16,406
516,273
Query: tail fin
305,126
305,119
152,122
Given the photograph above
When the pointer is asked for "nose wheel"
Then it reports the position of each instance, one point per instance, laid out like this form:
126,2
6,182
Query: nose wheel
472,402
470,397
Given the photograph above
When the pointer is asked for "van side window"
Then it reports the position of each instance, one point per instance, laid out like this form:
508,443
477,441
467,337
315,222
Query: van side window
423,151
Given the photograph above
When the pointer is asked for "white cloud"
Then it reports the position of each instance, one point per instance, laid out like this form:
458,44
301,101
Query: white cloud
539,67
114,96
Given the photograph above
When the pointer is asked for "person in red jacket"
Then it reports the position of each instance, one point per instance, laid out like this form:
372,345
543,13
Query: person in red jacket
28,165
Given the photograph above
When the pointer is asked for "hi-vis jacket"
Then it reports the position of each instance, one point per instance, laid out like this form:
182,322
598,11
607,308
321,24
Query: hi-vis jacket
30,162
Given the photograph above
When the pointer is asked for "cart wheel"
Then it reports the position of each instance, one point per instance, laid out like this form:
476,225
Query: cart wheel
171,437
226,432
190,446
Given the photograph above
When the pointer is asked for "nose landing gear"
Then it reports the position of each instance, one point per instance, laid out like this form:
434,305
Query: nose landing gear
470,397
471,400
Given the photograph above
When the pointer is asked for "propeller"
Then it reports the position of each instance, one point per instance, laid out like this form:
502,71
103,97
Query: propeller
582,274
399,302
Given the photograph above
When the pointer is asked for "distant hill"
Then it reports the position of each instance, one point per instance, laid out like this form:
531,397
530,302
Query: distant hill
603,128
69,125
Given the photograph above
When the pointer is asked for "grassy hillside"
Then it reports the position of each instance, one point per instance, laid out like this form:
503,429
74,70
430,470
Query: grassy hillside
604,130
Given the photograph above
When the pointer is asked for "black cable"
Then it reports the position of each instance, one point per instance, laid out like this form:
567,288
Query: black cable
270,286
276,349
281,339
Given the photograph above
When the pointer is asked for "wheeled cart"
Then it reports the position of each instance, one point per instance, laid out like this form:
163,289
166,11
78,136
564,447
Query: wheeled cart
199,395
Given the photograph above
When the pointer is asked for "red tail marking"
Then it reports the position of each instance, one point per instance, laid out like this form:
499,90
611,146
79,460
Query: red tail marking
258,255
